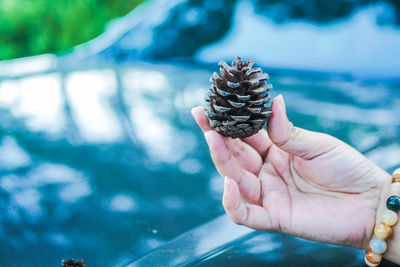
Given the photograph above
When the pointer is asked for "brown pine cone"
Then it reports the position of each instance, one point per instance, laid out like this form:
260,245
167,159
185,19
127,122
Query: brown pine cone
239,101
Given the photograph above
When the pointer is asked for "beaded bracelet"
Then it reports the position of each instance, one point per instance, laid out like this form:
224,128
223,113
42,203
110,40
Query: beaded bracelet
383,231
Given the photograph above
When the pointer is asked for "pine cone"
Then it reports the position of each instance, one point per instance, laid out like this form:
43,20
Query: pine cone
73,263
239,101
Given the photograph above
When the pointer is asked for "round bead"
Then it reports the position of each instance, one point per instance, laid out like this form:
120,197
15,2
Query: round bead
383,231
396,171
396,176
389,217
370,264
395,189
393,203
372,259
378,246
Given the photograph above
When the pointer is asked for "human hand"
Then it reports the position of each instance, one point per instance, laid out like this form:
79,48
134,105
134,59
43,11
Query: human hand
299,182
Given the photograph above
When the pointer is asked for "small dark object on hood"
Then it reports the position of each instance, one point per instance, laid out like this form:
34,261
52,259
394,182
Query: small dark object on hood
73,263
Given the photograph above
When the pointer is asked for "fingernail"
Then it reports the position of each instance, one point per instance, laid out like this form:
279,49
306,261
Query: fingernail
280,100
283,104
191,111
226,185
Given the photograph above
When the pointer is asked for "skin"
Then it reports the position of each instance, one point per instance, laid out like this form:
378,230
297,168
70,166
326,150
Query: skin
300,182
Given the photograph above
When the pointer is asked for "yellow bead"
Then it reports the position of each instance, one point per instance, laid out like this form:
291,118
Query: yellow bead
372,259
389,217
395,189
383,231
396,171
396,176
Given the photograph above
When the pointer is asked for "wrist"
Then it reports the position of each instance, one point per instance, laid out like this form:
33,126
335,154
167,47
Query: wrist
386,223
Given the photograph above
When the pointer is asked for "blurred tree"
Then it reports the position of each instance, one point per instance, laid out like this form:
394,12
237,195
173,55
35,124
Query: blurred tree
30,27
42,26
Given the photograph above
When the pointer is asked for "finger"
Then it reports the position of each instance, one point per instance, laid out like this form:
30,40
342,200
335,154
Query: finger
277,164
247,157
201,119
227,165
294,140
260,142
252,216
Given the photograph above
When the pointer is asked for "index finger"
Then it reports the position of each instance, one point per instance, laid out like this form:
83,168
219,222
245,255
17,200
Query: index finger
201,119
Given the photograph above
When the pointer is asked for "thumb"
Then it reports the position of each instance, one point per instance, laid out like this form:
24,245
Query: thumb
299,142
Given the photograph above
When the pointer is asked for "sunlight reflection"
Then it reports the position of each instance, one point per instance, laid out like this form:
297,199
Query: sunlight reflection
58,238
150,243
37,99
89,94
73,192
383,116
216,186
26,192
8,93
364,139
191,96
155,133
28,65
270,245
150,113
190,166
11,155
122,203
386,156
153,81
172,202
28,200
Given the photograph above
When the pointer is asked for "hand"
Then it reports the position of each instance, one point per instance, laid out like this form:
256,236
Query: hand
299,182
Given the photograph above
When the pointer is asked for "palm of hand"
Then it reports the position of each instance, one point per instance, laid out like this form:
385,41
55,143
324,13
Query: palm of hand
315,187
331,198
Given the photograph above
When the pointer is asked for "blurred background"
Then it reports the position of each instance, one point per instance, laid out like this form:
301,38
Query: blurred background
99,156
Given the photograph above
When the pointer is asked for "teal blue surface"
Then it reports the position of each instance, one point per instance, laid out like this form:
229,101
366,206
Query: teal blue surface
106,163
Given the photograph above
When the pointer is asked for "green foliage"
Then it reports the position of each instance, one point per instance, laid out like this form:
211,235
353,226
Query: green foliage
31,27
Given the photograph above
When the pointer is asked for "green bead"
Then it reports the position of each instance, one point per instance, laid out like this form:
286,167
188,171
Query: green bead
393,203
